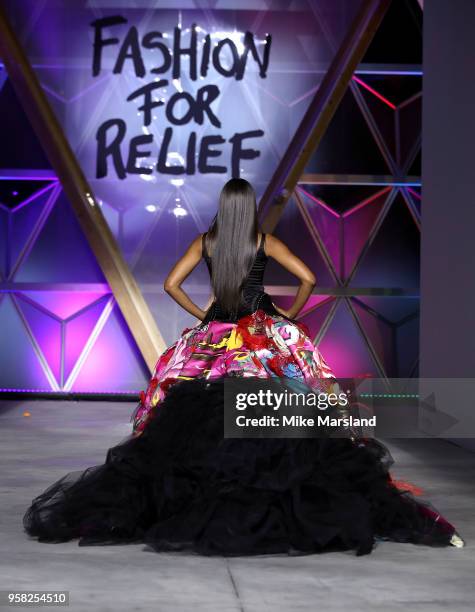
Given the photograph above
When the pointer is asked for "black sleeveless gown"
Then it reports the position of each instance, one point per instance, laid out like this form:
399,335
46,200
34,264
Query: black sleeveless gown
254,296
175,483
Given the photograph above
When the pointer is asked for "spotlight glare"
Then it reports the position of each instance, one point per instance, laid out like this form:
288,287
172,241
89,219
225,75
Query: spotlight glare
151,208
178,211
177,84
90,199
177,156
235,36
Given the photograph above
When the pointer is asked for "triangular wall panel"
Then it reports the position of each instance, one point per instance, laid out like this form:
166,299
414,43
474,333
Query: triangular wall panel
65,304
78,331
293,231
61,253
110,358
26,219
19,365
395,249
47,332
344,347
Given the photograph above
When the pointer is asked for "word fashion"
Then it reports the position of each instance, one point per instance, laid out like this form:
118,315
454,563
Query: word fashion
144,154
200,54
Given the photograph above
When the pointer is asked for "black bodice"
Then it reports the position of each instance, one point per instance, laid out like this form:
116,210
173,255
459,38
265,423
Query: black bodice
254,296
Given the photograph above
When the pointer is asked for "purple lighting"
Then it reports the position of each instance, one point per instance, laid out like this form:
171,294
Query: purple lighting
66,393
60,327
52,294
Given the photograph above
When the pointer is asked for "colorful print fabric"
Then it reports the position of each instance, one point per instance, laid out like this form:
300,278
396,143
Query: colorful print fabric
257,345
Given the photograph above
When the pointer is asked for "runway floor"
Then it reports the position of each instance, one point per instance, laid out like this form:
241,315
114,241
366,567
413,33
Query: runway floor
63,436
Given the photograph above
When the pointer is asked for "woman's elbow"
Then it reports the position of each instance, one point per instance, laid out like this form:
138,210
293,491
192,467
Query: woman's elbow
310,279
169,286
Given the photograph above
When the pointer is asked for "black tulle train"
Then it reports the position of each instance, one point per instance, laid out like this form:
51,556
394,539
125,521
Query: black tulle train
182,486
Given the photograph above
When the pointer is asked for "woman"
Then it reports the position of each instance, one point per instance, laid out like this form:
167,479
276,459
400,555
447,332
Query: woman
176,483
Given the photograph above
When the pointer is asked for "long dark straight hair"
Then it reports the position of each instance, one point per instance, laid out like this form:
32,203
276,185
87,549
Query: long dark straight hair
231,241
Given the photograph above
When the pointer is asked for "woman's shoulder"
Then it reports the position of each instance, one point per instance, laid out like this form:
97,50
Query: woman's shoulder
272,244
195,247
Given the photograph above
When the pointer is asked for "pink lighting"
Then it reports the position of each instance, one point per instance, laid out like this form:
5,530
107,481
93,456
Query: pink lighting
372,198
374,92
319,202
65,304
132,394
414,193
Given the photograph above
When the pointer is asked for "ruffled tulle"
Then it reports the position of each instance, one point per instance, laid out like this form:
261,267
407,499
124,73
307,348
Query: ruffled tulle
180,485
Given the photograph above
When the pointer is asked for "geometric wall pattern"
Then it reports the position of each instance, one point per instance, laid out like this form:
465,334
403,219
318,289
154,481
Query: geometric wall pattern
359,322
56,310
354,218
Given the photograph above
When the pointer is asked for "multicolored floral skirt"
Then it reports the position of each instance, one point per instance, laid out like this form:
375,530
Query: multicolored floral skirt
258,345
176,483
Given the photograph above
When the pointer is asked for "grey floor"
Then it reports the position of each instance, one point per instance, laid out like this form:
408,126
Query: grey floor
60,437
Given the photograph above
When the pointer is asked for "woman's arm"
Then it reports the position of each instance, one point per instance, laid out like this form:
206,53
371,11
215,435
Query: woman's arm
180,271
276,249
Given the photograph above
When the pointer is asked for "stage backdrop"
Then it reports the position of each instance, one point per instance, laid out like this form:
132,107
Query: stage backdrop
161,106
